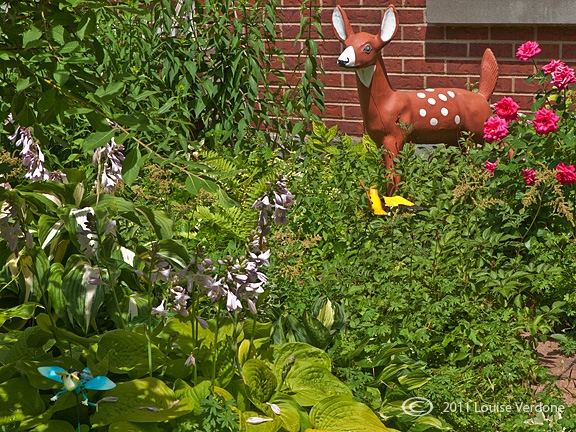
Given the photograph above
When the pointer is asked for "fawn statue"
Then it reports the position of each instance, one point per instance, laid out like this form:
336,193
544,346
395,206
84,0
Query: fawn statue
427,116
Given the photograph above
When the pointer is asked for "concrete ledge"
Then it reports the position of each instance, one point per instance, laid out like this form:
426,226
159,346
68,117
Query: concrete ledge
501,12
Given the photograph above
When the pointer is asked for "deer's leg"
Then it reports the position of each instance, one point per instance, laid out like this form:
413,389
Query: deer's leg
391,145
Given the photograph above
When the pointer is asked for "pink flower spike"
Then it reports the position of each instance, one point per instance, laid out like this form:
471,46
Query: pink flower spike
565,174
545,121
495,128
528,50
490,166
507,109
552,66
529,176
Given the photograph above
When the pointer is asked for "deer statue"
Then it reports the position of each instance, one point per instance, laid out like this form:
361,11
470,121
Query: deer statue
427,116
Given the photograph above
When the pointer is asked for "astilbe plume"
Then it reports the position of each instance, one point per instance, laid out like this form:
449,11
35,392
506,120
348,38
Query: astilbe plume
109,159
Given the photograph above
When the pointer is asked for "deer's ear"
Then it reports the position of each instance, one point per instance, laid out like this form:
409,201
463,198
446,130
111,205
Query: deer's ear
341,24
389,24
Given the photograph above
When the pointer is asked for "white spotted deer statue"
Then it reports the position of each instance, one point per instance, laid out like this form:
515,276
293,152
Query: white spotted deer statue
392,117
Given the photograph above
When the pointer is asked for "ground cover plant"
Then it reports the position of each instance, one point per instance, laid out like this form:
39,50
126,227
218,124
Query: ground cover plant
180,268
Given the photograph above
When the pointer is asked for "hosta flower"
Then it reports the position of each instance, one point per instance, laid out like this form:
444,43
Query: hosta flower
565,174
552,66
190,361
528,50
490,166
160,309
109,160
545,121
507,109
280,203
180,300
495,128
529,176
32,156
562,77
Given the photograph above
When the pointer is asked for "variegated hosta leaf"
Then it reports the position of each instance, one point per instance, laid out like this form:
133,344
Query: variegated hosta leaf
260,380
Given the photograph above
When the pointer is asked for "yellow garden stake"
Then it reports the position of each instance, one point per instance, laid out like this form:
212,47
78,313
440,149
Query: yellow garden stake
375,201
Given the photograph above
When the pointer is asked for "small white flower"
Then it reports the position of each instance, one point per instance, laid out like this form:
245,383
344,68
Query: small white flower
258,420
275,408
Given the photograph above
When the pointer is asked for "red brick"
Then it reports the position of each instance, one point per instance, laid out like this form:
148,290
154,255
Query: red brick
393,65
568,52
404,49
330,47
474,33
462,67
411,16
423,66
349,80
504,85
413,32
352,112
516,68
341,95
286,15
296,3
381,4
555,33
354,128
445,49
521,86
500,50
414,3
405,82
513,33
332,79
334,3
549,51
442,81
334,111
435,32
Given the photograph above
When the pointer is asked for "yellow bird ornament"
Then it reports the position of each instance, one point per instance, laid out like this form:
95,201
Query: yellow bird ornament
380,208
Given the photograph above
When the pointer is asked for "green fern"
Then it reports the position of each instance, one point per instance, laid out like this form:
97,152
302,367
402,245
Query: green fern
231,222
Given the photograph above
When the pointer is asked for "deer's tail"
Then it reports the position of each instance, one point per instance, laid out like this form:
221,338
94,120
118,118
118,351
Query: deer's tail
488,74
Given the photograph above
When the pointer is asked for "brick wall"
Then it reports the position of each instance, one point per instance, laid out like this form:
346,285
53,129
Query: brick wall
424,55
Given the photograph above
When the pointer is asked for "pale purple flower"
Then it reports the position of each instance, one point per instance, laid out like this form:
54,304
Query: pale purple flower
32,156
191,360
160,309
109,159
180,299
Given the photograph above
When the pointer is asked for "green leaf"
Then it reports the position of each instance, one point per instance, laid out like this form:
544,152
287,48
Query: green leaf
194,184
125,426
55,426
23,311
19,401
131,166
84,299
146,400
259,379
293,352
31,35
161,224
342,414
129,352
290,411
98,139
312,383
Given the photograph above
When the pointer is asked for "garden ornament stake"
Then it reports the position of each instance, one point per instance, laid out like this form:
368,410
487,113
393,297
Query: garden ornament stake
392,117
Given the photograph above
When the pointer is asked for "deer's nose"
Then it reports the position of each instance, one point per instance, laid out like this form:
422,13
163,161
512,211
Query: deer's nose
347,58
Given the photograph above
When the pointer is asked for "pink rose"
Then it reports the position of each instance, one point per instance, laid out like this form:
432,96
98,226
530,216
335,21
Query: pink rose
507,109
490,166
563,76
495,128
552,66
545,121
529,176
565,174
528,50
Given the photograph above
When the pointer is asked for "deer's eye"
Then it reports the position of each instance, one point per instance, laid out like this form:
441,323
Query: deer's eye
367,49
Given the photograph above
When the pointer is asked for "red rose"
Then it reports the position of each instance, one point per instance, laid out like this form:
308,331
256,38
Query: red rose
552,66
507,109
528,50
529,176
490,166
545,121
495,128
565,174
563,76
